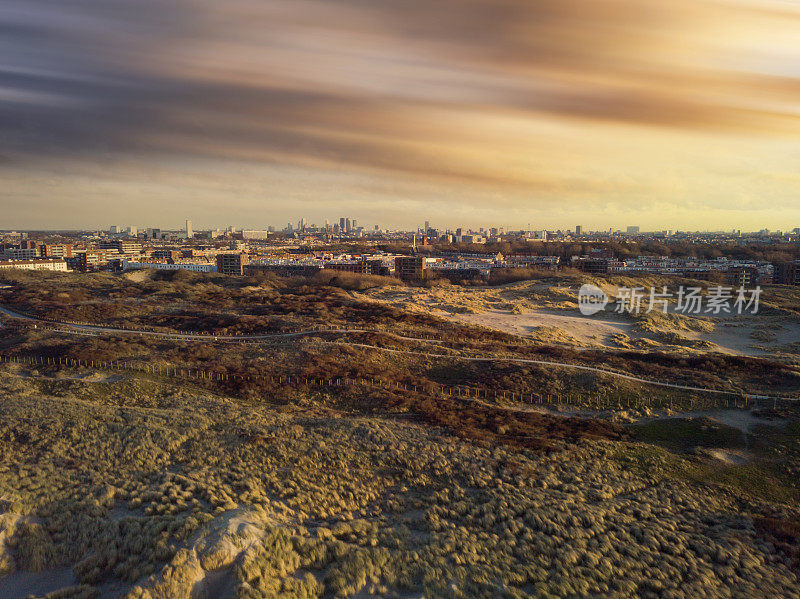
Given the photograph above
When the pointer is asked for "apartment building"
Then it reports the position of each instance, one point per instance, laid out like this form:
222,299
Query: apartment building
26,253
232,264
57,250
121,246
363,266
409,268
787,273
743,277
88,260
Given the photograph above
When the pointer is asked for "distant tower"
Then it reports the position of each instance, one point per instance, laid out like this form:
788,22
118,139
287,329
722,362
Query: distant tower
347,225
578,230
189,232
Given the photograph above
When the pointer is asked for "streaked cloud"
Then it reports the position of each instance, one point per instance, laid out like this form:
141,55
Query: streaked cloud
546,108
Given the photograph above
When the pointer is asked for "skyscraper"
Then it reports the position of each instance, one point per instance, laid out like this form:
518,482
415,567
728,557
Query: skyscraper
341,225
578,230
347,225
189,232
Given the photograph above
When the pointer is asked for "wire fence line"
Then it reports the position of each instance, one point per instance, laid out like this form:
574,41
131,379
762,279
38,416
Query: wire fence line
97,330
460,354
587,401
122,328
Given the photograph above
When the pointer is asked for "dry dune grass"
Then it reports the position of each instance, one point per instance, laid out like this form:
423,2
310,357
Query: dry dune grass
521,296
659,321
550,293
169,492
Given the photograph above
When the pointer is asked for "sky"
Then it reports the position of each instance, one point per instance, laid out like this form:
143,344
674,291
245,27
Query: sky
518,113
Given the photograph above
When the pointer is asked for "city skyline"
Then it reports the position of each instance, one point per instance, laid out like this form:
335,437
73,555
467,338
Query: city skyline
680,116
356,224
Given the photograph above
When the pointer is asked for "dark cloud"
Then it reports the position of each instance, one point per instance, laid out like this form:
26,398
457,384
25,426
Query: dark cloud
354,82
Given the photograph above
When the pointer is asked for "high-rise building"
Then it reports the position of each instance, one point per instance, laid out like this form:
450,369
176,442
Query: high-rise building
578,230
189,231
354,224
347,225
133,231
632,230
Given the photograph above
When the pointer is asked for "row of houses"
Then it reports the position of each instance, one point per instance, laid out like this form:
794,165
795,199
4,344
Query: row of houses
733,272
40,264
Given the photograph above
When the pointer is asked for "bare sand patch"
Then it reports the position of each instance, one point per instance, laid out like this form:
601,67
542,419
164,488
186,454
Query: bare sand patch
138,276
586,331
547,312
733,458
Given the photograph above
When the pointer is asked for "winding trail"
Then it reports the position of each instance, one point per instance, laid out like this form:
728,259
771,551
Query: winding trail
84,328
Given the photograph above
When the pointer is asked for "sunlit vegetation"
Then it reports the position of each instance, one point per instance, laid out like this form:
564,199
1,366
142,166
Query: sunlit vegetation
143,483
165,491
